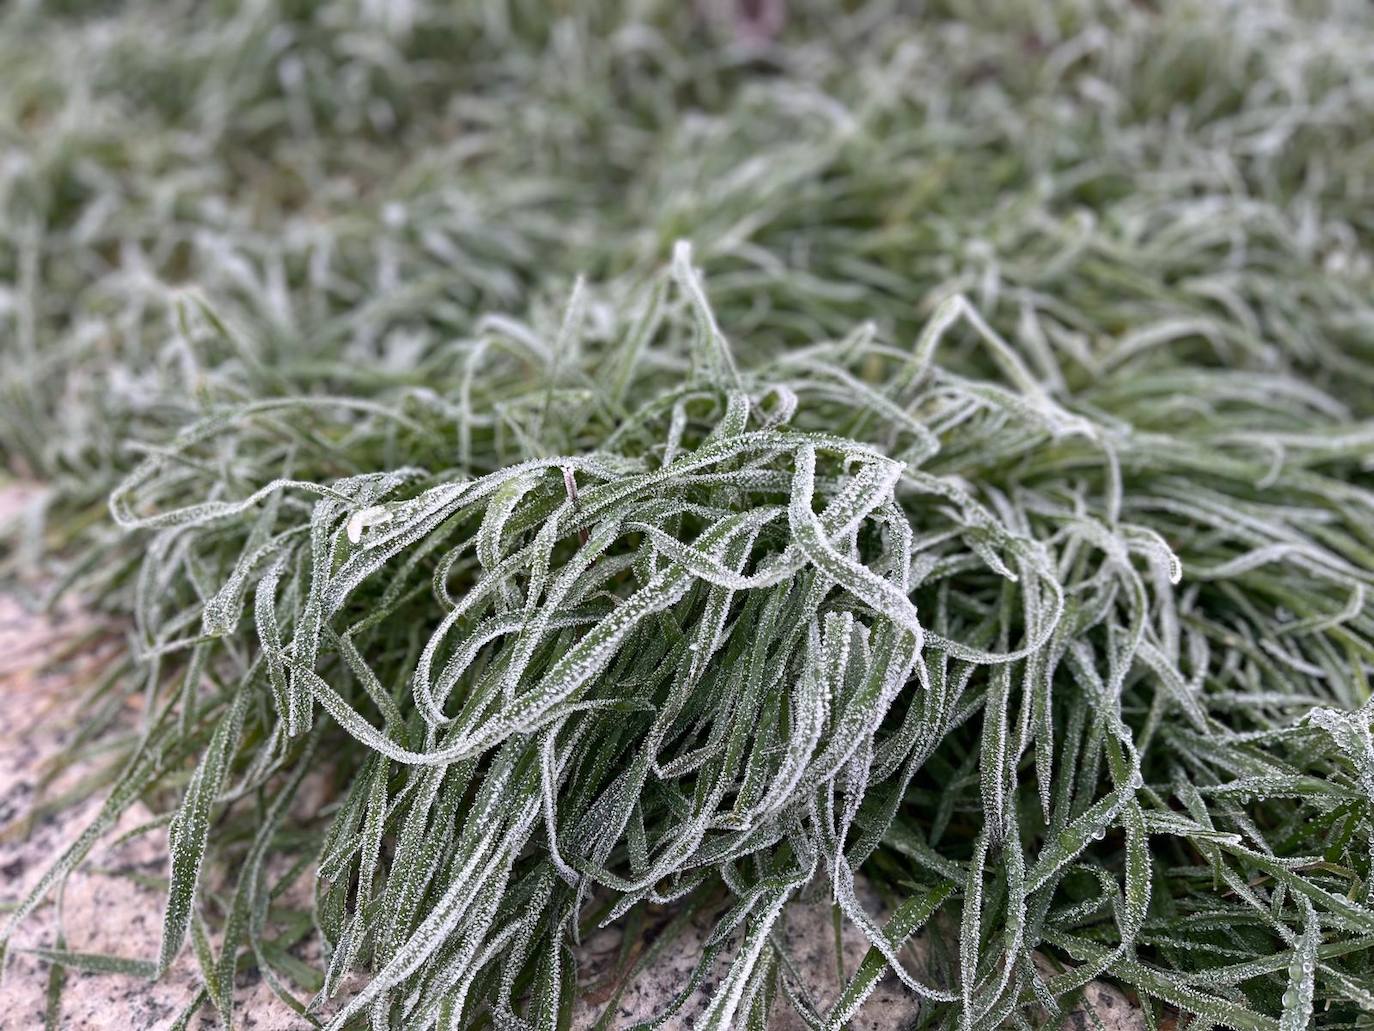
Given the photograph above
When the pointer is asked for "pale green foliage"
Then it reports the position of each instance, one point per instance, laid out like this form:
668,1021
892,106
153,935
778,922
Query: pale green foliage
1013,548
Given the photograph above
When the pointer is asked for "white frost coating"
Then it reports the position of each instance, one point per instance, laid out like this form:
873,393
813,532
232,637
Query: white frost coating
364,519
698,658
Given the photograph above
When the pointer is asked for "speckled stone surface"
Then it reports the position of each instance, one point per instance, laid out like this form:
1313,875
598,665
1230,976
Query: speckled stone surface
102,910
809,937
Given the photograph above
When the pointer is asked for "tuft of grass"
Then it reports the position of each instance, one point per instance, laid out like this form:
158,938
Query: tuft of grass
1014,549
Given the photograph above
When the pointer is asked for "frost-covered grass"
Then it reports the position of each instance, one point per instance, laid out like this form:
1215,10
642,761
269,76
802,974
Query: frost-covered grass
981,500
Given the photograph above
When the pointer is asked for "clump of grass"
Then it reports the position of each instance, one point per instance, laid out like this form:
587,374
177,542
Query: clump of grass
729,649
1016,553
